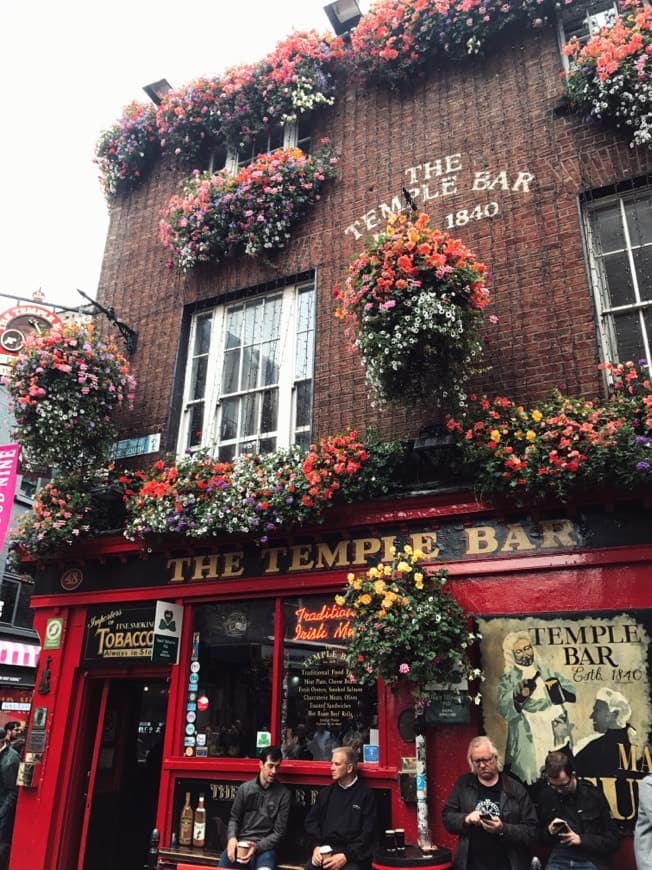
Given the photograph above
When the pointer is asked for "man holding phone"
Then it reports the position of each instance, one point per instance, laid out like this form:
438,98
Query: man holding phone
492,814
575,818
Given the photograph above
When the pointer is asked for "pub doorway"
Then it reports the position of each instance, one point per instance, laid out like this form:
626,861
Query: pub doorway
123,720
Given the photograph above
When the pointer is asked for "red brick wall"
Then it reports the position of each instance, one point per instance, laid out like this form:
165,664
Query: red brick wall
498,115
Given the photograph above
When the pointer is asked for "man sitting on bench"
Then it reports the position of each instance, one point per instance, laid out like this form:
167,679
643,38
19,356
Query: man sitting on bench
342,823
259,817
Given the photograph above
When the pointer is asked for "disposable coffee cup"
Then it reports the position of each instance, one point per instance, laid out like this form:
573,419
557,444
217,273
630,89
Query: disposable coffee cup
241,851
325,850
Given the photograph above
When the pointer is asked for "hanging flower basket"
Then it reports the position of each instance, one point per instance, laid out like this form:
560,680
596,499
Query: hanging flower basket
611,75
412,305
215,215
407,627
66,387
127,151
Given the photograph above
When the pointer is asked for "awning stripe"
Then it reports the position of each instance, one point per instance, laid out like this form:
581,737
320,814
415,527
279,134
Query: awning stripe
22,655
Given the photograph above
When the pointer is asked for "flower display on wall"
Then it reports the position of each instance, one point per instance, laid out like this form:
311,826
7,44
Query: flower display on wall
399,38
564,446
611,75
407,627
296,77
65,387
256,495
412,305
127,152
216,214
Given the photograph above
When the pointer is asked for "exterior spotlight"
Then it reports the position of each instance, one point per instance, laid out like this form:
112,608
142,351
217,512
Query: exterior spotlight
157,90
343,15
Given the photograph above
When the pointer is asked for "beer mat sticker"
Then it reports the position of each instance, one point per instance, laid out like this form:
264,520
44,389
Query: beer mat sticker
575,684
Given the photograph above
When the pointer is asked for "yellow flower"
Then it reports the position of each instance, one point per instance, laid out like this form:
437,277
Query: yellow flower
404,567
407,549
350,577
379,587
382,614
365,599
339,599
537,415
530,435
387,570
357,584
418,577
418,555
494,435
405,601
387,603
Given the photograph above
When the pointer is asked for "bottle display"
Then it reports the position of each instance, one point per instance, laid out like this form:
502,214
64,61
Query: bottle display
186,823
199,827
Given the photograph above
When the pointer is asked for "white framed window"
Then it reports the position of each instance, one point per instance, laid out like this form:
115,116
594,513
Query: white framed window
619,241
293,134
583,20
249,374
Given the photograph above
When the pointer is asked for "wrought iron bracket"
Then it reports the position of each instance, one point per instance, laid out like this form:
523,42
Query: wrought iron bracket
129,335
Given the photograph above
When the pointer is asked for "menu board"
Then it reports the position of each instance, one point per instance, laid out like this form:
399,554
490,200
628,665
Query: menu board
329,696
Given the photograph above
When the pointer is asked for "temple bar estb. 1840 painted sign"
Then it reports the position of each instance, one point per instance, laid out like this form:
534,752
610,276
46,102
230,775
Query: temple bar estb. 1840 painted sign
448,541
574,683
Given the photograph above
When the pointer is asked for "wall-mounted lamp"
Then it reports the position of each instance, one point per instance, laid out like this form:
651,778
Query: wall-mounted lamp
343,15
157,90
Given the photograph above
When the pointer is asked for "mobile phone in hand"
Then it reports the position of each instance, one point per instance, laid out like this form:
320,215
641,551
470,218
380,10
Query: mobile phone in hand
486,816
560,828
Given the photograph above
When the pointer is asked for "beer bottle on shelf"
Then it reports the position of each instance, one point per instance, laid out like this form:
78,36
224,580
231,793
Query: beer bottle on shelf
185,823
199,828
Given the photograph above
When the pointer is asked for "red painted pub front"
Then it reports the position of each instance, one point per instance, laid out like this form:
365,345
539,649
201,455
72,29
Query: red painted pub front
118,740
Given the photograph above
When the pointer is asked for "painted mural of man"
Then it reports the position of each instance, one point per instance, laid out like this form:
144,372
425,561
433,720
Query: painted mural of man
531,697
602,753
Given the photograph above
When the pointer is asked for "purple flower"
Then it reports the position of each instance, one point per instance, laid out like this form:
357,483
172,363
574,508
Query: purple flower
642,466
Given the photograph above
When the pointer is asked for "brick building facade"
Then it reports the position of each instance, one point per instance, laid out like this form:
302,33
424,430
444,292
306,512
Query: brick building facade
489,148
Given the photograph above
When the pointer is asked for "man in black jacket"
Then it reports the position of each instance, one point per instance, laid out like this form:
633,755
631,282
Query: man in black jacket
342,823
575,818
491,813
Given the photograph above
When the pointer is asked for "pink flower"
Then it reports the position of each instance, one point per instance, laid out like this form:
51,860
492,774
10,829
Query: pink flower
404,668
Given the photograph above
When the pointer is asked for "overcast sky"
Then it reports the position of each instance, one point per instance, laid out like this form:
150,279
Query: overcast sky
67,70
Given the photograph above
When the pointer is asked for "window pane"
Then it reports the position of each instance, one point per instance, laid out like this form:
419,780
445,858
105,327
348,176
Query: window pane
24,616
610,229
250,362
250,414
230,371
276,138
305,354
203,335
267,445
272,321
226,453
269,418
10,593
253,323
643,266
199,370
639,219
321,708
647,320
619,280
233,327
235,674
304,404
270,363
196,428
629,337
229,423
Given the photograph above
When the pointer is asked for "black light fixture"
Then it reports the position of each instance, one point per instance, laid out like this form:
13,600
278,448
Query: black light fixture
157,90
343,15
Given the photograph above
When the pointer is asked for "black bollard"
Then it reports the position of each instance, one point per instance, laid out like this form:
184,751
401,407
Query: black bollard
152,855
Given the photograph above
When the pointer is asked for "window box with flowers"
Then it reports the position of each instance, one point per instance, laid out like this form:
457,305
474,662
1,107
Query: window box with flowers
611,76
565,447
412,305
255,210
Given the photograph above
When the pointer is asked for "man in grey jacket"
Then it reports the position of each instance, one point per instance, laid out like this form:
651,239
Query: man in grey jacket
259,817
643,829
